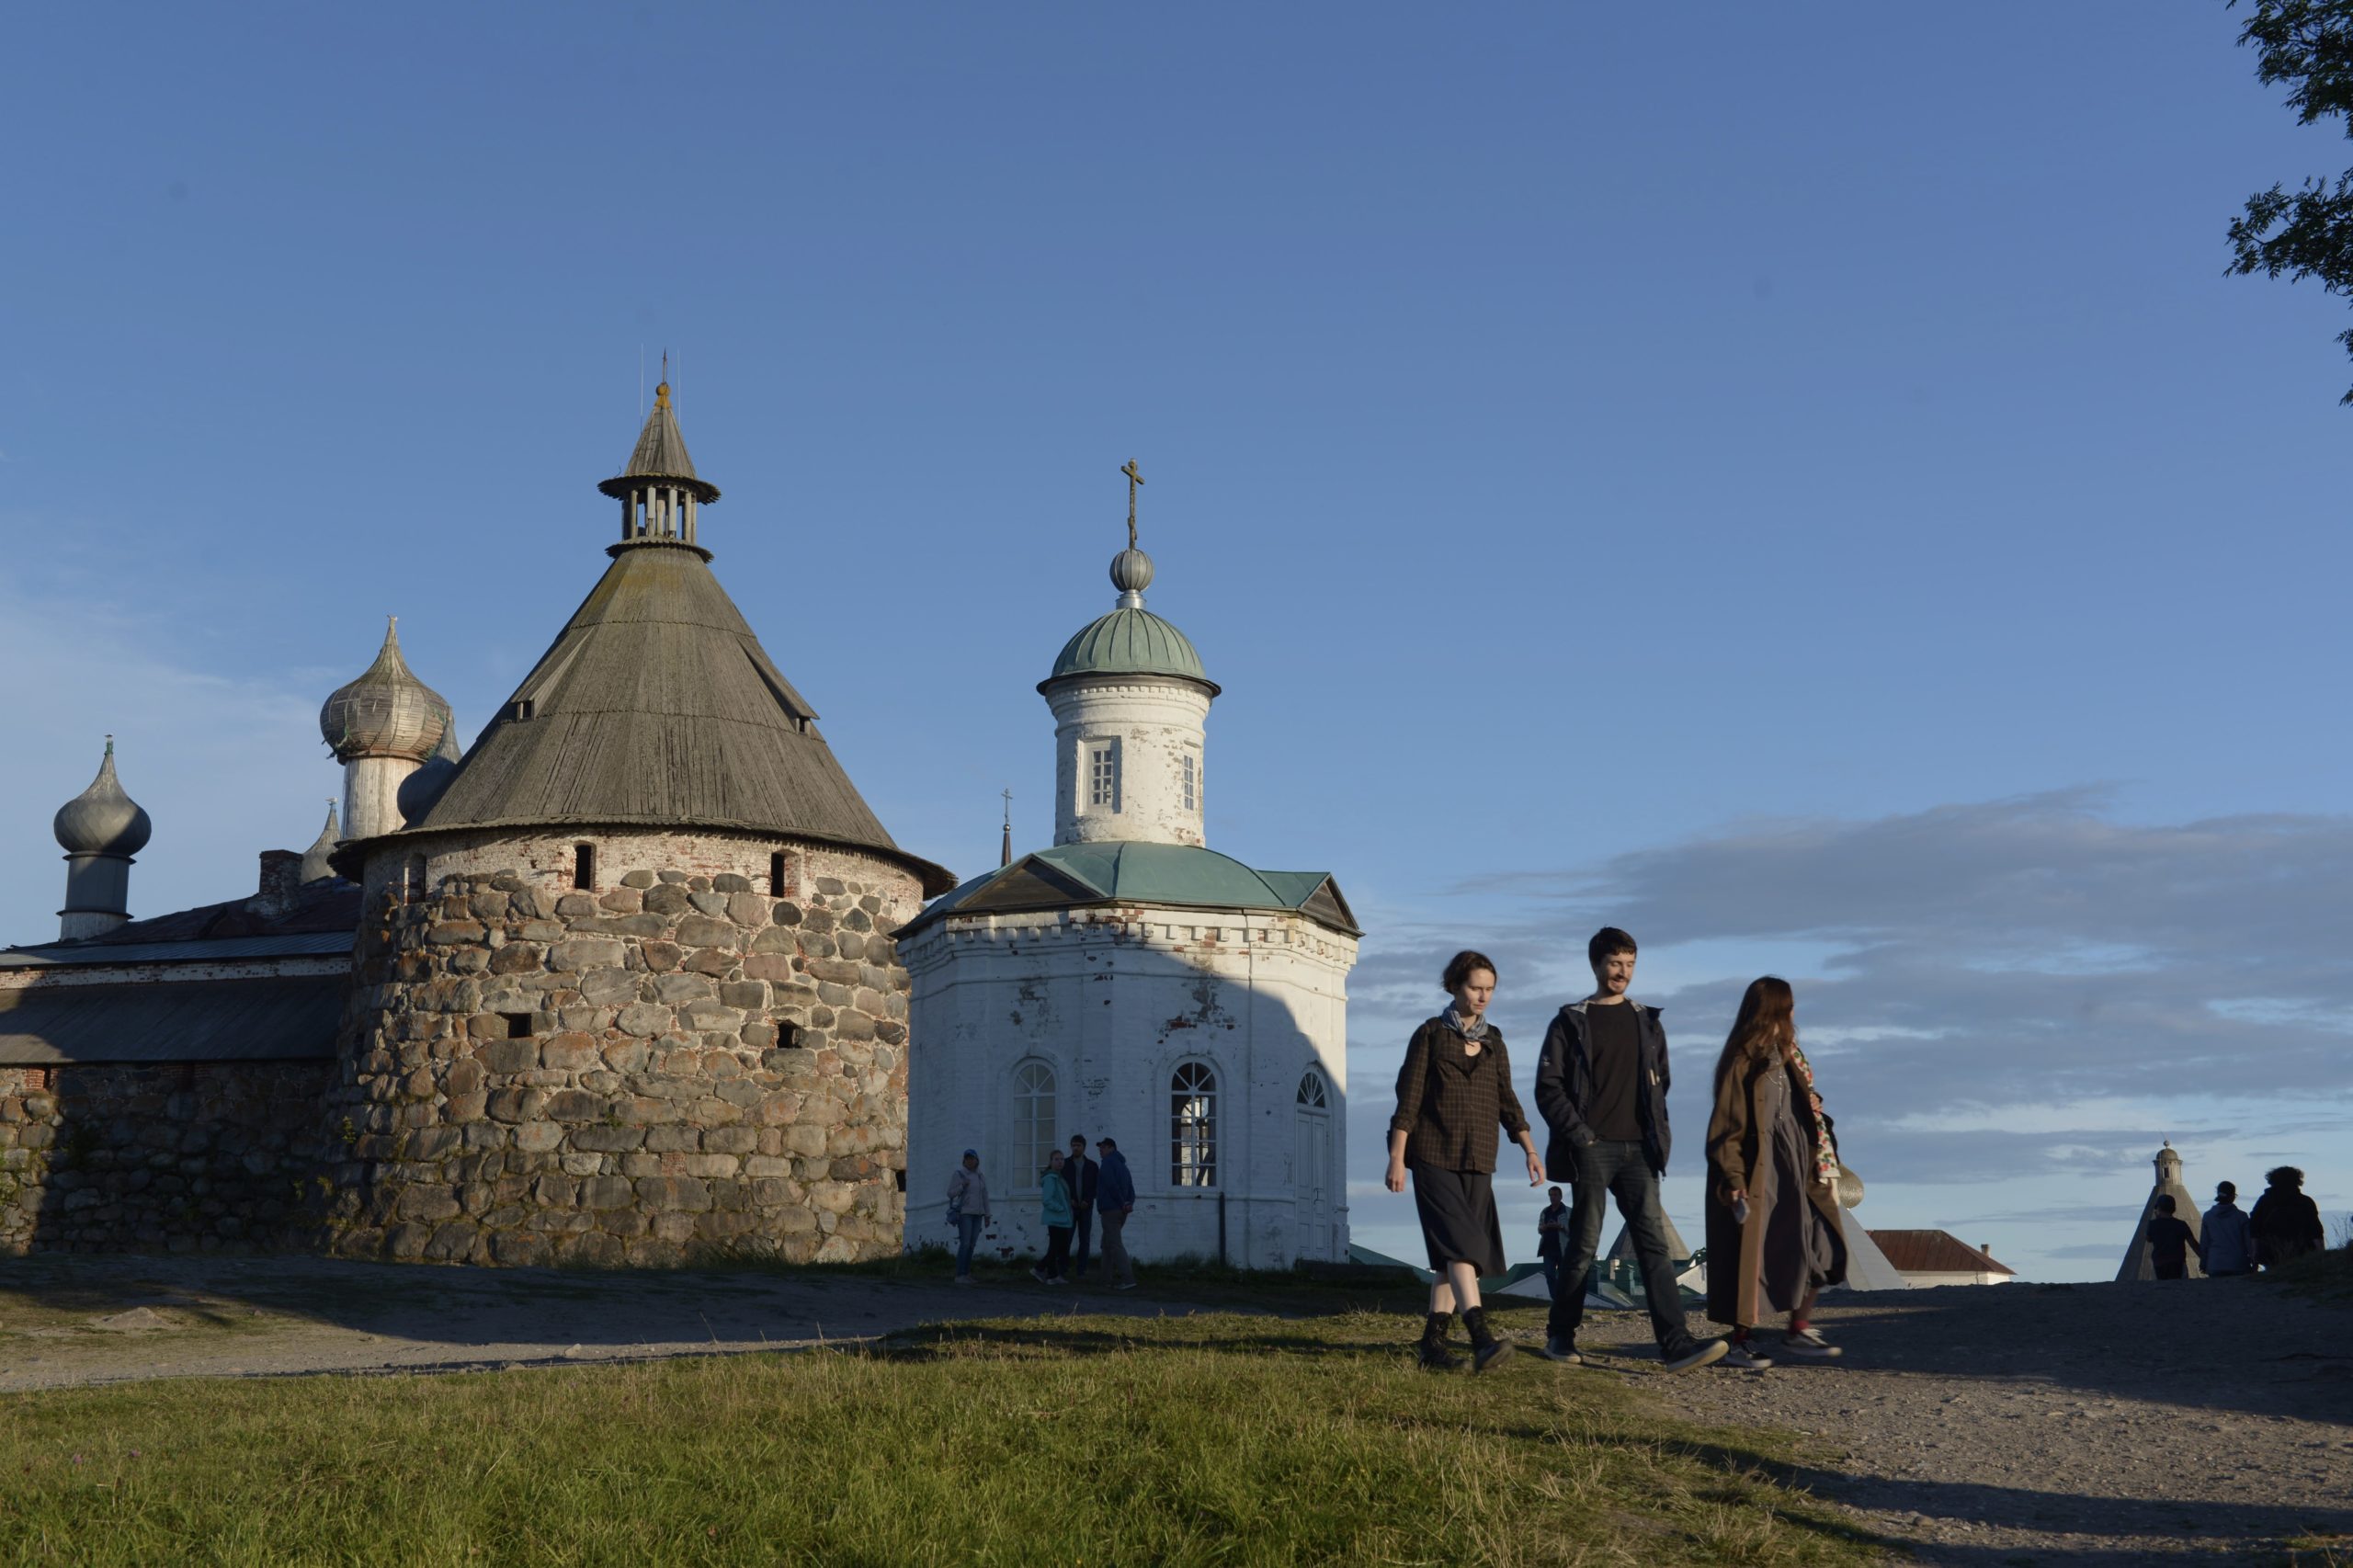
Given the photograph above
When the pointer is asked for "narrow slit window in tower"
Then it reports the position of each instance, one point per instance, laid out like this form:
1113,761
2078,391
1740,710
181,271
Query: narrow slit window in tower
1191,782
584,866
776,874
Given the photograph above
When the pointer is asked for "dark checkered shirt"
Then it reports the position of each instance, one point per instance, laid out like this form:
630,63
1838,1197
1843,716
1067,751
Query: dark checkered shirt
1450,1103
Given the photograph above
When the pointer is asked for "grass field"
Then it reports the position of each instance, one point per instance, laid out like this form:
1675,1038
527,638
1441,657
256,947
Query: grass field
1219,1438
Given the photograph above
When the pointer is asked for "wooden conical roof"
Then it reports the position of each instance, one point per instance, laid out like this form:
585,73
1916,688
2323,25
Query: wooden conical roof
657,706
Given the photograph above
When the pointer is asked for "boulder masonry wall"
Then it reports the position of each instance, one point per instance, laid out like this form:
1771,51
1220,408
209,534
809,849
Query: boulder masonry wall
682,1063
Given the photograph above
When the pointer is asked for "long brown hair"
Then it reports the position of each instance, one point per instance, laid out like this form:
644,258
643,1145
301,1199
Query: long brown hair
1766,1028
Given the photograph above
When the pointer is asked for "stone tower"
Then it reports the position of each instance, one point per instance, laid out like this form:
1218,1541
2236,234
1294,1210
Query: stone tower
99,829
382,727
623,992
2185,1209
1131,701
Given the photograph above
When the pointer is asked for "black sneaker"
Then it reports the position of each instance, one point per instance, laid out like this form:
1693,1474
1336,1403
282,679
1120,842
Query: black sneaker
1560,1350
1699,1353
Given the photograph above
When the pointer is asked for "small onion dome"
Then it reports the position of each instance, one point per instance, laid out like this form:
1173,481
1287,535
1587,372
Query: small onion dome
314,858
387,711
102,820
1132,572
422,791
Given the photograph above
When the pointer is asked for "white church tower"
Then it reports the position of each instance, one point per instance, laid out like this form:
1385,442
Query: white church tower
1130,981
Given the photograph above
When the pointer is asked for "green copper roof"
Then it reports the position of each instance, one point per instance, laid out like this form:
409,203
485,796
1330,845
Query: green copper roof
1069,875
1130,641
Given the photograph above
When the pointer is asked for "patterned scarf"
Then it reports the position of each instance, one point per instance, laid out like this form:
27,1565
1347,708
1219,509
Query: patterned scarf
1476,1034
1826,1150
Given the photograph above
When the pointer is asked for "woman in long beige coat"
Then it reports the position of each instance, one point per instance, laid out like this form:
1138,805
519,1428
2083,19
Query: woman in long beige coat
1773,1224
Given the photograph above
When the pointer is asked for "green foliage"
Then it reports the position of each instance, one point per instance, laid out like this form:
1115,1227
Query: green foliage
2307,232
1218,1438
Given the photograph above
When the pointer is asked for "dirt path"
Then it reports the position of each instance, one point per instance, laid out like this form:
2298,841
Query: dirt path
2063,1424
73,1322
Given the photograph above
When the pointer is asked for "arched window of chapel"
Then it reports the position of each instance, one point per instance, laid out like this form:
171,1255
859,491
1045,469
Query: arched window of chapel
1033,1120
1192,1125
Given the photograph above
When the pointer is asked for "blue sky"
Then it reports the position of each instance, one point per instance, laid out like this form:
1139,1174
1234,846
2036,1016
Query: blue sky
1799,477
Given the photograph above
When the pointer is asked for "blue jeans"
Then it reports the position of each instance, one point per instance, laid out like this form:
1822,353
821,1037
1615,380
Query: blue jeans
968,1231
1619,1170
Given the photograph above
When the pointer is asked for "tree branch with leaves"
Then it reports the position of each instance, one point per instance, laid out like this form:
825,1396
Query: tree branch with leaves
2306,233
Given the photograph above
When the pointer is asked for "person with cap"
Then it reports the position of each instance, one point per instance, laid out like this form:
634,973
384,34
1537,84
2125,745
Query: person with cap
1082,1175
968,1211
1115,1200
2224,1247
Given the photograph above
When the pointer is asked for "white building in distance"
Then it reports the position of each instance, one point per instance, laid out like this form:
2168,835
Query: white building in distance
1130,981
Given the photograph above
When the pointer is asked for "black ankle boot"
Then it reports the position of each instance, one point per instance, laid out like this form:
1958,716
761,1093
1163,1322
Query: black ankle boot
1432,1350
1485,1348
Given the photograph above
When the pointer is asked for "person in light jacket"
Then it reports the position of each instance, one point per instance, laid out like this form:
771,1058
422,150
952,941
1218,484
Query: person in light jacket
2224,1249
1774,1239
1054,1210
968,1211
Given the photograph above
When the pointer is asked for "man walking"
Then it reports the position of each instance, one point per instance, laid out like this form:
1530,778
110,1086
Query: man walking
1601,1083
1551,1226
968,1209
2223,1248
1115,1200
1082,1175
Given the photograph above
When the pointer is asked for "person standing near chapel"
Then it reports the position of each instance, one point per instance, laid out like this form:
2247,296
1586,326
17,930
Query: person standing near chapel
2286,1222
1115,1200
1551,1226
1453,1090
1082,1175
1601,1083
968,1211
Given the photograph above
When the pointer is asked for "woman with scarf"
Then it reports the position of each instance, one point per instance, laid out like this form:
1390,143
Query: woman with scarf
1773,1227
1452,1092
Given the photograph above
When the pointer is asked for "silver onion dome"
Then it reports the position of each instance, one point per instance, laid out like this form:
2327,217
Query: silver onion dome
102,820
387,711
316,867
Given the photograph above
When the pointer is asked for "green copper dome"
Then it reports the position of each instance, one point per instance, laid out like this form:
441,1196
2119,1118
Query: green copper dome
1131,641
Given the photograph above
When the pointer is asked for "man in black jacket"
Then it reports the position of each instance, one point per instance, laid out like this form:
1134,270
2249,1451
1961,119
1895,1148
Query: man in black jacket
1082,1174
1601,1085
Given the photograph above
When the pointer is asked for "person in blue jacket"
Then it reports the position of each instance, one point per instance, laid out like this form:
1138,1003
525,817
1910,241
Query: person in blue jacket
1115,1200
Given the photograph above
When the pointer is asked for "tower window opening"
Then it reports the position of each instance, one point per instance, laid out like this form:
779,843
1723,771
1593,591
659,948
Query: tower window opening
1190,782
519,1025
1103,775
776,874
584,866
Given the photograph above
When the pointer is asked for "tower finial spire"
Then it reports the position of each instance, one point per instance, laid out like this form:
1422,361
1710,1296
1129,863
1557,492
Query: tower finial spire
1135,478
1132,568
1005,855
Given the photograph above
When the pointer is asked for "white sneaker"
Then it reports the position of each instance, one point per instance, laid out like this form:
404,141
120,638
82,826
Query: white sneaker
1745,1359
1039,1276
1810,1346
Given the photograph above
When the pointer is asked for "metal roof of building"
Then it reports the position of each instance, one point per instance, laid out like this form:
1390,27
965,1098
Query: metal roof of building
1129,640
1073,875
661,453
318,919
387,711
1935,1252
656,706
222,950
283,1018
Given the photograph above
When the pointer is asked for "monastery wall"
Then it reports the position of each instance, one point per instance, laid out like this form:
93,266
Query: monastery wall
178,1157
688,1057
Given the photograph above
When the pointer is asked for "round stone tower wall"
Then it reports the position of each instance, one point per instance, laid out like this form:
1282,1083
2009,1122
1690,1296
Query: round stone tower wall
1148,732
702,1053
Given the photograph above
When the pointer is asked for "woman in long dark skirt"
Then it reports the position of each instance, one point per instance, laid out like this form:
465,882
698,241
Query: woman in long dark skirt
1453,1091
1773,1225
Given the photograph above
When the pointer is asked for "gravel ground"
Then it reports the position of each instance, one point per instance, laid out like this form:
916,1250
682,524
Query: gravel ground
2060,1424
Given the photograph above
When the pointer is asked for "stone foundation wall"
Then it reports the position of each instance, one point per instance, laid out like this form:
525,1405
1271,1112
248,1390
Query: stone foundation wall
673,1064
178,1157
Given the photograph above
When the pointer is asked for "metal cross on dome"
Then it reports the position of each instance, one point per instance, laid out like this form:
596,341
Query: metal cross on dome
1135,478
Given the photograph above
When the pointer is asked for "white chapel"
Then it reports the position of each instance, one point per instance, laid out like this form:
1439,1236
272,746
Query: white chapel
1132,982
